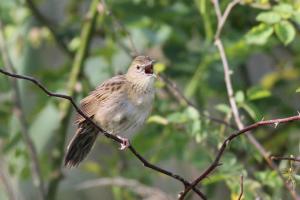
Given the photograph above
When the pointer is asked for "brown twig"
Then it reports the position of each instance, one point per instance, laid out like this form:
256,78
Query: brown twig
284,158
233,105
230,93
227,73
108,135
242,188
221,150
222,18
18,110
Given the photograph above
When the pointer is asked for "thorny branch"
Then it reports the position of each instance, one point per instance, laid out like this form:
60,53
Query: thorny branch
285,158
242,129
230,93
221,150
108,135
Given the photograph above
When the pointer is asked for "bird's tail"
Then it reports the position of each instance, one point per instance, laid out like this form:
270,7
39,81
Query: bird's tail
81,144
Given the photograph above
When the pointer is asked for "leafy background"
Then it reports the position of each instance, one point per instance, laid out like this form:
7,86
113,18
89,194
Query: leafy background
261,40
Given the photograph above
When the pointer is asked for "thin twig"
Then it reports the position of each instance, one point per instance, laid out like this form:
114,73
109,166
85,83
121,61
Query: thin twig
221,150
242,188
108,135
242,129
230,93
233,105
284,158
19,112
222,18
236,116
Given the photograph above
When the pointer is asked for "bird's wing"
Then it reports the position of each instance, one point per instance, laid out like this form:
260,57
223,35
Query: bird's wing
90,104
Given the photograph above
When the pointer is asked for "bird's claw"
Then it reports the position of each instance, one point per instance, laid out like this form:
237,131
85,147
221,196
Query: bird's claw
124,144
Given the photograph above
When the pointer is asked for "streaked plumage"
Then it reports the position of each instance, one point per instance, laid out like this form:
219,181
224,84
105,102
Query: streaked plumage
120,106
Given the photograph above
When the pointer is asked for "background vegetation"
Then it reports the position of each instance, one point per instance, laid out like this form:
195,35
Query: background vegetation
71,46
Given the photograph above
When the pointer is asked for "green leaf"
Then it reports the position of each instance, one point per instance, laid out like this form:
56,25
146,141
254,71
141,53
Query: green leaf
157,119
269,17
259,34
257,93
298,89
269,178
177,117
296,17
252,111
192,113
285,31
223,108
239,97
159,67
284,10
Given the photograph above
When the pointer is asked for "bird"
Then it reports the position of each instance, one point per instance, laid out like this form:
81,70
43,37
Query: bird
120,106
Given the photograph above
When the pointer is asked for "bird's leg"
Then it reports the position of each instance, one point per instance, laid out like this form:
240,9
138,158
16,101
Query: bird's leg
125,143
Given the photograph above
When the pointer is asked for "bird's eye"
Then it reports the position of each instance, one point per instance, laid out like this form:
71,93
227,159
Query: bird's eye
138,67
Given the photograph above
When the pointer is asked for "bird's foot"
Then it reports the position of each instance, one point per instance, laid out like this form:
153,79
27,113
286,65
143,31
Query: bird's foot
124,144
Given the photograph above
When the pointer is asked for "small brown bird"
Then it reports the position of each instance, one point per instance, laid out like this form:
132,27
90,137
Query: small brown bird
120,106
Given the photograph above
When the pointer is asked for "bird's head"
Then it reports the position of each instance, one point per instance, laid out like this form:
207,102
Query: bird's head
141,71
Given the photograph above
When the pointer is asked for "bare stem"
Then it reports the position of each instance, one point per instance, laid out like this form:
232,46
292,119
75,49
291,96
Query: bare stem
242,188
221,150
284,158
242,129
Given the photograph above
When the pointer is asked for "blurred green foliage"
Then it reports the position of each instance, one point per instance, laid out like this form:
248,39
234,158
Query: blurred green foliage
261,40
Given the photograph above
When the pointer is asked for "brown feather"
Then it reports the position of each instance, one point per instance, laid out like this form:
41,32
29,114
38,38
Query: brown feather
81,144
101,94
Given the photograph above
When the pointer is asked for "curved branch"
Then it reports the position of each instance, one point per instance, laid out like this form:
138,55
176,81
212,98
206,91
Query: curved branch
284,158
242,188
221,150
108,135
242,129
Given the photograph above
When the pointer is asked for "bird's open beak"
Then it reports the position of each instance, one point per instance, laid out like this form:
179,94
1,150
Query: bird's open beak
149,68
